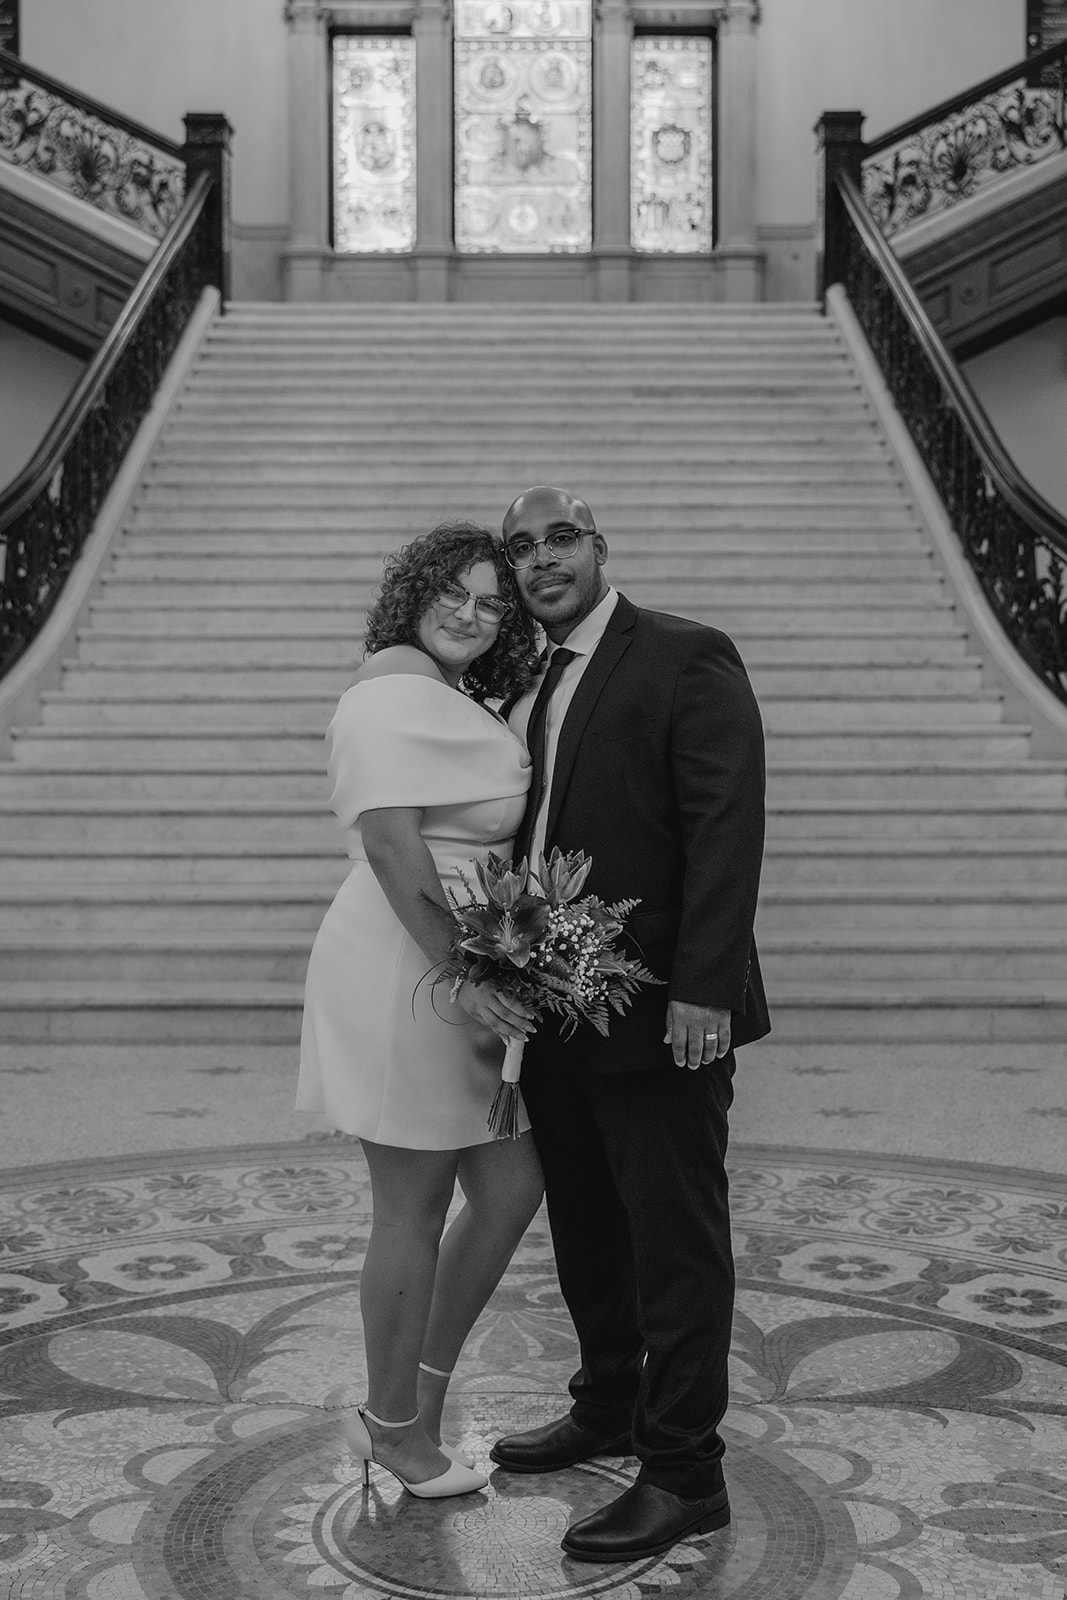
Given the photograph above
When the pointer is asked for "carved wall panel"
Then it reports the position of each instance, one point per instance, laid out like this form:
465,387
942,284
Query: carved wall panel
373,143
523,119
671,208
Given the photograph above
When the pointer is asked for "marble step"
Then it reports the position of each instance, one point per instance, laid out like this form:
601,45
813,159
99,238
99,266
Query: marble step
812,908
328,433
849,592
628,548
353,370
220,1013
831,409
973,815
796,909
266,955
130,846
209,739
235,649
359,476
427,490
297,741
778,636
934,715
993,954
123,770
397,523
573,443
138,570
826,376
116,683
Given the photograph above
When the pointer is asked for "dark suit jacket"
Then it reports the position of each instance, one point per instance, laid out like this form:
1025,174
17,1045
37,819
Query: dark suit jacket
659,776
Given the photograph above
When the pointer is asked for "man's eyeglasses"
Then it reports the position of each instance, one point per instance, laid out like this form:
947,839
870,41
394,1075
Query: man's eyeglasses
522,552
487,607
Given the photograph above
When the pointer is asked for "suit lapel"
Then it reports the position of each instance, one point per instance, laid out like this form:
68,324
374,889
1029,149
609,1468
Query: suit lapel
605,658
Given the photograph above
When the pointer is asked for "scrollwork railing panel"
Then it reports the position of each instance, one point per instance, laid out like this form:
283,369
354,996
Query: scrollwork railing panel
932,167
80,150
43,532
1018,552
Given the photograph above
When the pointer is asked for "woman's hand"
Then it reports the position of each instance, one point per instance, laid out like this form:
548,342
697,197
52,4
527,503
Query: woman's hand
484,1003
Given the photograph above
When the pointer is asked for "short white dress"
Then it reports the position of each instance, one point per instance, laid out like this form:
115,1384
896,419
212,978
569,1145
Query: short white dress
383,1053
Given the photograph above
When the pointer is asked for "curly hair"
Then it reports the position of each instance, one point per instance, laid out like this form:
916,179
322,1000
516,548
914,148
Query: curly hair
414,577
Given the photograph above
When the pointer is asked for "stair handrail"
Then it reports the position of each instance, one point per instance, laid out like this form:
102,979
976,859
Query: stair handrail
947,153
87,149
1015,541
48,511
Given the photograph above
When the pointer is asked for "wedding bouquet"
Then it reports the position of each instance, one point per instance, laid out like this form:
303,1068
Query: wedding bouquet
552,951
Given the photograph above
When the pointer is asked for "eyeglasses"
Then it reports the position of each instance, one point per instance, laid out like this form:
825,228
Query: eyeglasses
487,607
522,552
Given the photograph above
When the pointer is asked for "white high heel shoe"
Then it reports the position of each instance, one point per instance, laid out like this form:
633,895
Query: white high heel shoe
453,1452
457,1480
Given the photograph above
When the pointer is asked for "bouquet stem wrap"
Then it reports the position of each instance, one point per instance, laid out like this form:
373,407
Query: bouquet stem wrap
504,1112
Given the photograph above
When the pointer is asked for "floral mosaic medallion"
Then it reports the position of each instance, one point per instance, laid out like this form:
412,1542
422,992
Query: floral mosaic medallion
169,1329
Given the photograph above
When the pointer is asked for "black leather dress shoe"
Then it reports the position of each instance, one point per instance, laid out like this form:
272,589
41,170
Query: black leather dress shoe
556,1445
644,1521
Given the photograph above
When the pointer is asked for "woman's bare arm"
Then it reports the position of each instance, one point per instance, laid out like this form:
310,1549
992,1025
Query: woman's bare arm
403,865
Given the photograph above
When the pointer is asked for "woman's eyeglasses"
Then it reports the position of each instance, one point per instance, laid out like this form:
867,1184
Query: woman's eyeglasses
522,552
487,607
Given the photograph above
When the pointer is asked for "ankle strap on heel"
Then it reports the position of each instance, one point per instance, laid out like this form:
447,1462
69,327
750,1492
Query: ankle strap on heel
365,1411
436,1372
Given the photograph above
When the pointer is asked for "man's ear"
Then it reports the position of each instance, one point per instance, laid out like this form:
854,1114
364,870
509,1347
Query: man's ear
600,548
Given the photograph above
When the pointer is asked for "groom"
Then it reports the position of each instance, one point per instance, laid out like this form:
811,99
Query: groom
647,754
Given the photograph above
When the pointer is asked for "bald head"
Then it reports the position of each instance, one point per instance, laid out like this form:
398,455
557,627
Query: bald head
548,505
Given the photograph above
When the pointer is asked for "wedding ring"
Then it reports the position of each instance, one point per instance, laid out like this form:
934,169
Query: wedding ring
711,1036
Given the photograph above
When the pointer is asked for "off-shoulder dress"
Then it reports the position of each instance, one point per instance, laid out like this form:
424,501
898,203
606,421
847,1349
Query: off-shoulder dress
384,1054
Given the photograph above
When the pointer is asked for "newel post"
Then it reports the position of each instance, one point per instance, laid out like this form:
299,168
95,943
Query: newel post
840,136
207,149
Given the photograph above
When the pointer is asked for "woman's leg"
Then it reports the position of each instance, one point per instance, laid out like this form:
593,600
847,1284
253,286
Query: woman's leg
411,1191
502,1187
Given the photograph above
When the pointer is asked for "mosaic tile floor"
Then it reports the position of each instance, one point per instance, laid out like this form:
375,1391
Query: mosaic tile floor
169,1326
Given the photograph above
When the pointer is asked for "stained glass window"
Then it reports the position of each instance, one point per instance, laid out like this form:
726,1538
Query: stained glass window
373,143
670,144
523,95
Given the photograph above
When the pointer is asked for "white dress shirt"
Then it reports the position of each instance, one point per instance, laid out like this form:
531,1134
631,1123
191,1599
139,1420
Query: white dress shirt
583,641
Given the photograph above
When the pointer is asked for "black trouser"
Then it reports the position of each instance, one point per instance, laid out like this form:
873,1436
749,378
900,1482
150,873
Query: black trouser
638,1206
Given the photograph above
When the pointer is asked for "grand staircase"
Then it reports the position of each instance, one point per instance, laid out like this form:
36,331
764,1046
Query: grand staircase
166,850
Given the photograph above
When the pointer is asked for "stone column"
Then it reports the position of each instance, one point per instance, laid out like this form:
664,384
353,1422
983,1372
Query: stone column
303,259
840,136
612,32
736,247
433,149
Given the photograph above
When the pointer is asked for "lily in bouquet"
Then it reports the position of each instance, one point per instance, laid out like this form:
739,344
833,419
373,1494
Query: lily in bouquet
552,951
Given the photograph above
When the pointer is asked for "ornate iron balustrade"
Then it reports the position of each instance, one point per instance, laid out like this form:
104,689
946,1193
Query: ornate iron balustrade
1014,540
83,148
1016,119
48,512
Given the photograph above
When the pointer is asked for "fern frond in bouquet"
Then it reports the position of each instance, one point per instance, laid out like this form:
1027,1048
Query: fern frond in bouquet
553,952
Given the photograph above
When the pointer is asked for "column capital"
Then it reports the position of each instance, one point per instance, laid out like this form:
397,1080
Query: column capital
741,16
307,15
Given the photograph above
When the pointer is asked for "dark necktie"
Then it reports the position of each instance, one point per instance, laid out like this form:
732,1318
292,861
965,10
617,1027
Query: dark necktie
535,742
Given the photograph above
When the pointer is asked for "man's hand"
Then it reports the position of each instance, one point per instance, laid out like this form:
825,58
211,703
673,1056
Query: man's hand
696,1033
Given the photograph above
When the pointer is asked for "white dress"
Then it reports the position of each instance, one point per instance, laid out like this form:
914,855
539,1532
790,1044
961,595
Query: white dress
383,1053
